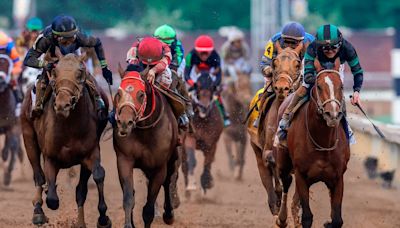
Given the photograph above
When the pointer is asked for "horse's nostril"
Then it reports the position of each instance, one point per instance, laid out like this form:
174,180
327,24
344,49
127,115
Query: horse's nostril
276,87
119,121
287,89
130,122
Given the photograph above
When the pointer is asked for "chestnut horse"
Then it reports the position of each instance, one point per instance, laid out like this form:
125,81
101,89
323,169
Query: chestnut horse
286,76
66,134
317,147
208,126
146,137
9,124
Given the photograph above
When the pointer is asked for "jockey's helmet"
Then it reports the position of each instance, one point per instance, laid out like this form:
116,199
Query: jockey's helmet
150,51
64,26
165,33
4,40
294,31
204,43
34,24
329,36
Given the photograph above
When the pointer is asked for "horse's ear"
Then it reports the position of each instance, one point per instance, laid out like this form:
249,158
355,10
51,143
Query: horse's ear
120,70
83,57
299,48
278,47
58,53
317,65
337,64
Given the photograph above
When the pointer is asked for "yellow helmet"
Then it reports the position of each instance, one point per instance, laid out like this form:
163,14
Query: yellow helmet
4,39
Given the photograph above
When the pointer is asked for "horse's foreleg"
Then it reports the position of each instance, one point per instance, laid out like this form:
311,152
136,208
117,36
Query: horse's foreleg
170,190
266,179
228,148
191,165
125,173
81,193
51,171
155,182
336,192
286,178
302,188
13,147
207,181
241,152
93,164
295,209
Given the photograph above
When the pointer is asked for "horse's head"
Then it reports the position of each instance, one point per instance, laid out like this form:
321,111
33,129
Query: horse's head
68,79
130,101
328,93
204,89
286,70
6,65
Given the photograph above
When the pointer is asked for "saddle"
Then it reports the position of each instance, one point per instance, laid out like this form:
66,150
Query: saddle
176,101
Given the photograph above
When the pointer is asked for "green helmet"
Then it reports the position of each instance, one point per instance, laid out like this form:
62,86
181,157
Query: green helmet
34,23
328,35
165,33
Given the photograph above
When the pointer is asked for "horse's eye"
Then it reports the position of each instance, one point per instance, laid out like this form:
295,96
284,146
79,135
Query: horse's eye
319,87
140,96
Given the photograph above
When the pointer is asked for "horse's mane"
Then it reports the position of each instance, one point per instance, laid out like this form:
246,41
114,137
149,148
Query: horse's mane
205,81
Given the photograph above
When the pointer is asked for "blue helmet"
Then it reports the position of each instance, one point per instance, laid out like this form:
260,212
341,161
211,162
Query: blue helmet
293,30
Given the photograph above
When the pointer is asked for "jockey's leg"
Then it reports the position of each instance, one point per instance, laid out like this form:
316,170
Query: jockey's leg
186,117
171,80
94,93
268,91
221,107
300,93
19,97
40,90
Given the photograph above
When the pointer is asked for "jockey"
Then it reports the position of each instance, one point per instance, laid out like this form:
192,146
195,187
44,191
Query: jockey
64,34
7,47
328,46
235,53
292,35
204,58
25,41
152,53
167,35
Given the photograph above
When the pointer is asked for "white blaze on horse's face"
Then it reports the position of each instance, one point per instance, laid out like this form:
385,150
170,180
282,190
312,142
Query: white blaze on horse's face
332,95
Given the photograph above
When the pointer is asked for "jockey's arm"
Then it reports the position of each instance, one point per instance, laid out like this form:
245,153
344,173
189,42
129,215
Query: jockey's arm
131,55
354,63
17,68
40,47
95,42
266,59
309,68
188,69
164,62
179,52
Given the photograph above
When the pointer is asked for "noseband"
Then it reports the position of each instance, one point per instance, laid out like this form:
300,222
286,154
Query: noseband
285,74
321,105
75,92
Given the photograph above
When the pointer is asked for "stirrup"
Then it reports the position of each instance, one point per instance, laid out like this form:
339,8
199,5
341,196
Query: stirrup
227,122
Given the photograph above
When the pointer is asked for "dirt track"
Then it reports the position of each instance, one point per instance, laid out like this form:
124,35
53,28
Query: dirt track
230,204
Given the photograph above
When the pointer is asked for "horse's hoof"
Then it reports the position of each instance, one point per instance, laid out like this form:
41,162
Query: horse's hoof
175,201
168,218
328,225
104,224
279,223
53,204
39,219
7,178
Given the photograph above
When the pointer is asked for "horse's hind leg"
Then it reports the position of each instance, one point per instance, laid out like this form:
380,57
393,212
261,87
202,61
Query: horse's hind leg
125,173
228,148
302,188
51,171
286,179
266,179
155,182
81,193
296,209
336,192
98,172
12,145
170,190
241,152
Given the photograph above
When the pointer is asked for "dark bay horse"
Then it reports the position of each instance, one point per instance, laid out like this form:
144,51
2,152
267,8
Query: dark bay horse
66,134
146,137
208,126
286,76
9,123
317,147
237,96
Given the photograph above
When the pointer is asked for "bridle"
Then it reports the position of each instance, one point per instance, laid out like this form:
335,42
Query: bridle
321,110
286,74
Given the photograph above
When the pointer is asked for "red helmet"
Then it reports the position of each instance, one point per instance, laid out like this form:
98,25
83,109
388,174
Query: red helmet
150,51
204,43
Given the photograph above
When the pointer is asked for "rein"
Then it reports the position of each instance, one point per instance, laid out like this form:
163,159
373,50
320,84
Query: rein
76,92
285,74
320,109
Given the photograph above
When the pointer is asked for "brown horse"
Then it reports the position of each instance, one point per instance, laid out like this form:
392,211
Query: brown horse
9,124
66,134
286,76
317,147
237,98
146,137
208,126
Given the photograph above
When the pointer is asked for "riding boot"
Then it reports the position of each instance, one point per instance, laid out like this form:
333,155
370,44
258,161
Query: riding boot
225,115
185,119
40,89
288,114
19,97
94,93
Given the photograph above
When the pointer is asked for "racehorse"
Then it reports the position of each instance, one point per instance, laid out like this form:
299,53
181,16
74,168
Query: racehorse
286,76
237,97
66,134
208,126
9,123
146,137
318,149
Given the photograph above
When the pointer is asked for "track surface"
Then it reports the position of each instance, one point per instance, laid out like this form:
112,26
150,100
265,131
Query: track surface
229,204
